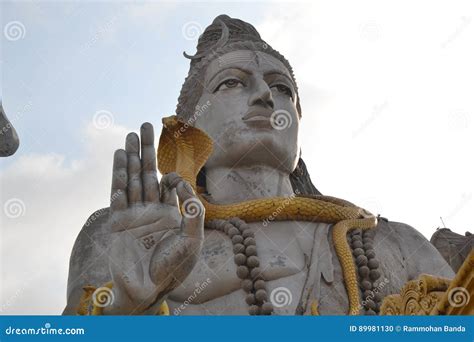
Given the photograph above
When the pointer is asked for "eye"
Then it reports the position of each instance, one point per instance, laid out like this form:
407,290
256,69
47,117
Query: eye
281,88
230,83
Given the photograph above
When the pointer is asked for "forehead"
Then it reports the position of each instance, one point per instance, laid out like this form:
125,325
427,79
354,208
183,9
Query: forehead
254,61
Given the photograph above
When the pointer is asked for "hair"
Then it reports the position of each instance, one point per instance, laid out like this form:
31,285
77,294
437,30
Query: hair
225,35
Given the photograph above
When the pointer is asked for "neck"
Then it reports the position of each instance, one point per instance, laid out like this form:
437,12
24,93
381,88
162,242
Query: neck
232,185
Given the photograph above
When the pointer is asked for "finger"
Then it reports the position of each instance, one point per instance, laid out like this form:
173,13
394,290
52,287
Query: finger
132,147
168,185
118,196
192,210
151,192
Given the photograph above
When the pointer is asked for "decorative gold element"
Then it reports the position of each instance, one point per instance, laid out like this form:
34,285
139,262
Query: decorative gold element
98,310
430,295
314,308
184,149
164,309
459,298
85,301
391,305
87,304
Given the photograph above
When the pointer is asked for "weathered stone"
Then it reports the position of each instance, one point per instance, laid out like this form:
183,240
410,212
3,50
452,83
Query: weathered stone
240,259
9,141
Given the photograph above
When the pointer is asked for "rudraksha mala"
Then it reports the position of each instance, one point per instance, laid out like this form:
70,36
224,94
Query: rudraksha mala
253,282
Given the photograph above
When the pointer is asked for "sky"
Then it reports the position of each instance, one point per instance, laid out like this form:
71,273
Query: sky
386,91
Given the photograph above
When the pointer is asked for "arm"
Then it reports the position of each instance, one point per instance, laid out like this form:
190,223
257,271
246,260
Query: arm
142,243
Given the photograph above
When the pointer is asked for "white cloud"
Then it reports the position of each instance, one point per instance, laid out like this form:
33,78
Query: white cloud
55,197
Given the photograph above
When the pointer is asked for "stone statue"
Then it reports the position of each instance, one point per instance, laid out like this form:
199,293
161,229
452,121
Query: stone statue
9,141
454,247
235,226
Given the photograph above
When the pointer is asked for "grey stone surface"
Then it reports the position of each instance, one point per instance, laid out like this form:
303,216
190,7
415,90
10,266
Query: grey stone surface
403,253
453,247
9,141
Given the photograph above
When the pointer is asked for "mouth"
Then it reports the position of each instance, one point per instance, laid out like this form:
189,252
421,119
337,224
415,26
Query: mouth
258,117
257,114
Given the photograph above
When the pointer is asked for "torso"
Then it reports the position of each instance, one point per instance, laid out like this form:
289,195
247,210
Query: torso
285,252
295,255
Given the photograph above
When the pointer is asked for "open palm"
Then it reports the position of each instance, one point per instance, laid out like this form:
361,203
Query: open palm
154,246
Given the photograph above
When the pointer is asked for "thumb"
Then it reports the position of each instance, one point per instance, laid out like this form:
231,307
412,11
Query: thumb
168,185
192,211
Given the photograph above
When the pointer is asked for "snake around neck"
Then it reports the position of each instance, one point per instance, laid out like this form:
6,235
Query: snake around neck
185,149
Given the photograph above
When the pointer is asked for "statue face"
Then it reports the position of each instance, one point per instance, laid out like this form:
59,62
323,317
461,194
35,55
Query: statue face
248,107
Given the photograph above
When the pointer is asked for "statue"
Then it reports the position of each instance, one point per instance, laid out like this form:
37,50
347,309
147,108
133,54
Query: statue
454,247
235,226
8,137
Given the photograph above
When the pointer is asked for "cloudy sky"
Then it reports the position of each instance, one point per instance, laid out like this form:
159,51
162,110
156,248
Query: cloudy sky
386,90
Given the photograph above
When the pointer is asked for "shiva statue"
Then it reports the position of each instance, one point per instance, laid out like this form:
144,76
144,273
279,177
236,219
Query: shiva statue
235,225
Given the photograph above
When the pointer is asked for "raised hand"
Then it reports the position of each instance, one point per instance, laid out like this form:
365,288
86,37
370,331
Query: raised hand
154,246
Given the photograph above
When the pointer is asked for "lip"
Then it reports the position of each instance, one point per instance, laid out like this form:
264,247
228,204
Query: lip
260,114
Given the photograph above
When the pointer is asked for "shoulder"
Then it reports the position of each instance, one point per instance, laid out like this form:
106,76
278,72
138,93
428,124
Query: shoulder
414,251
454,247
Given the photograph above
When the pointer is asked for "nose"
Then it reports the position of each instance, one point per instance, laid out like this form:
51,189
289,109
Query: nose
261,95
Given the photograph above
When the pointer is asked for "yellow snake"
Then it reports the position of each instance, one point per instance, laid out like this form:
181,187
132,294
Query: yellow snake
184,149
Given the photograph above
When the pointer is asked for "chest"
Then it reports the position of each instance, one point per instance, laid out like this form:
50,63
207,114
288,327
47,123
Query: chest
283,250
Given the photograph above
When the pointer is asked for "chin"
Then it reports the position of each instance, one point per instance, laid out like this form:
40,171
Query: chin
265,148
